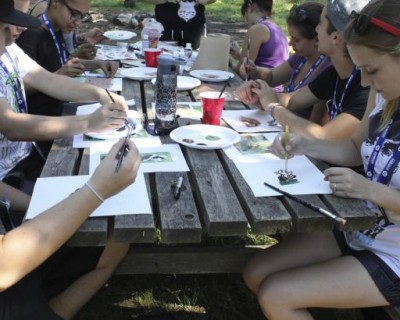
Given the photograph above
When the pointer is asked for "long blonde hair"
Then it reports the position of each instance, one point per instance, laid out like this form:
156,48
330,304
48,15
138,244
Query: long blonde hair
378,39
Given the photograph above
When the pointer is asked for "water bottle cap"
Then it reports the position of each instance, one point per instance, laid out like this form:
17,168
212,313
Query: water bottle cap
166,63
188,46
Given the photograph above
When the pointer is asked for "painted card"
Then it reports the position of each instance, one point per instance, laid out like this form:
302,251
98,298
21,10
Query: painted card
304,177
163,158
250,121
254,145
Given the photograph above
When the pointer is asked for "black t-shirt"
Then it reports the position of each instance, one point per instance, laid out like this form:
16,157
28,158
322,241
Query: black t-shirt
355,100
183,22
38,44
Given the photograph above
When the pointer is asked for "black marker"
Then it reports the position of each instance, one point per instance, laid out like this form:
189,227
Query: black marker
178,188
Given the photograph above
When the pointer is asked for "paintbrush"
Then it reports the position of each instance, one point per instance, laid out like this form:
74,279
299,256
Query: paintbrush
309,205
285,142
248,56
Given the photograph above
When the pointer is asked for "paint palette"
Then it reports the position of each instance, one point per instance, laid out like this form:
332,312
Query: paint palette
204,136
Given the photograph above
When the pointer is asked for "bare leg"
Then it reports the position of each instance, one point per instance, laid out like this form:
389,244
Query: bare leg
70,301
340,283
297,250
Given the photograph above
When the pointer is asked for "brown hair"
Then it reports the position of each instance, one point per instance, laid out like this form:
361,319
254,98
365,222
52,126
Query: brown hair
263,5
378,39
305,17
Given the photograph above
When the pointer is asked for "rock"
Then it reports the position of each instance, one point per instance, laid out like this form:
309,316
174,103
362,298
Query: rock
123,19
134,23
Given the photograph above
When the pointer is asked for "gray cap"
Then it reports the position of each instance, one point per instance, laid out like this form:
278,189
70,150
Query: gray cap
339,11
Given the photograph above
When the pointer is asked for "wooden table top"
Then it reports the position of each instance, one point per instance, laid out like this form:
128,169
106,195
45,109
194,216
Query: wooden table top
216,200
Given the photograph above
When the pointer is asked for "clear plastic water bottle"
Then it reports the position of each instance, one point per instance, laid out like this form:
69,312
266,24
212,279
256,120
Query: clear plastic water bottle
188,51
166,86
145,42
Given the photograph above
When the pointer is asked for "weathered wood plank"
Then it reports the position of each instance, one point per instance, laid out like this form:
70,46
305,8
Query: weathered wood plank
393,312
305,219
187,260
94,231
136,228
62,160
266,215
179,219
220,209
357,214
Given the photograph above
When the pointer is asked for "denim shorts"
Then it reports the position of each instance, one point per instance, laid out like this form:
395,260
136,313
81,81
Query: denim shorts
385,278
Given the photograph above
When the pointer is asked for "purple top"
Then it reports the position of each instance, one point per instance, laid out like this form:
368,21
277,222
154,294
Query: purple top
276,50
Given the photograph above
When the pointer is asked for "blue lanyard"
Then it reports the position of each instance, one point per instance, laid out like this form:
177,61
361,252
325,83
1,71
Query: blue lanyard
13,78
61,47
337,107
384,175
291,86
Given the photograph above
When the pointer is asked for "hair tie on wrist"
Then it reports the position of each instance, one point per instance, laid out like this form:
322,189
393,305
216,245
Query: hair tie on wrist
273,106
94,192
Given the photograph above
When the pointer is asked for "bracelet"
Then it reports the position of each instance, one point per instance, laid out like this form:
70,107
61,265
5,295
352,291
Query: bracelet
273,106
94,192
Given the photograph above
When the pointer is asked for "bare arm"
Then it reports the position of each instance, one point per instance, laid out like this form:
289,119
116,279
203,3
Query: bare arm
345,152
64,88
27,127
18,200
343,126
257,34
26,247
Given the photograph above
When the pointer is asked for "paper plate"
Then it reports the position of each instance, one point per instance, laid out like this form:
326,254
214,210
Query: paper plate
114,134
204,136
184,83
211,75
119,35
139,73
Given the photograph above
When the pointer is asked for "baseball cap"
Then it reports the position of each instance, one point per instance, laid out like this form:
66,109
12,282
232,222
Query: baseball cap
15,17
339,11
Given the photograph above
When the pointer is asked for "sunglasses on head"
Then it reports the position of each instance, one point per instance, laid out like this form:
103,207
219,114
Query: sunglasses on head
298,14
362,22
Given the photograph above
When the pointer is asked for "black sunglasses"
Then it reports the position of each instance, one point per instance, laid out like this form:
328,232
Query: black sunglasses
363,21
75,14
298,14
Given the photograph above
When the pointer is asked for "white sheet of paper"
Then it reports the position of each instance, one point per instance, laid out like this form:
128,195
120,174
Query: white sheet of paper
142,138
49,191
256,172
234,119
111,84
108,52
164,158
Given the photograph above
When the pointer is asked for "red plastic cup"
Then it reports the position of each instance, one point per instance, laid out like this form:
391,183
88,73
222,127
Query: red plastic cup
150,57
212,107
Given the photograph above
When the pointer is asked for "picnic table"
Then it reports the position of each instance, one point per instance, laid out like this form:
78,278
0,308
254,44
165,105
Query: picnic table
216,203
